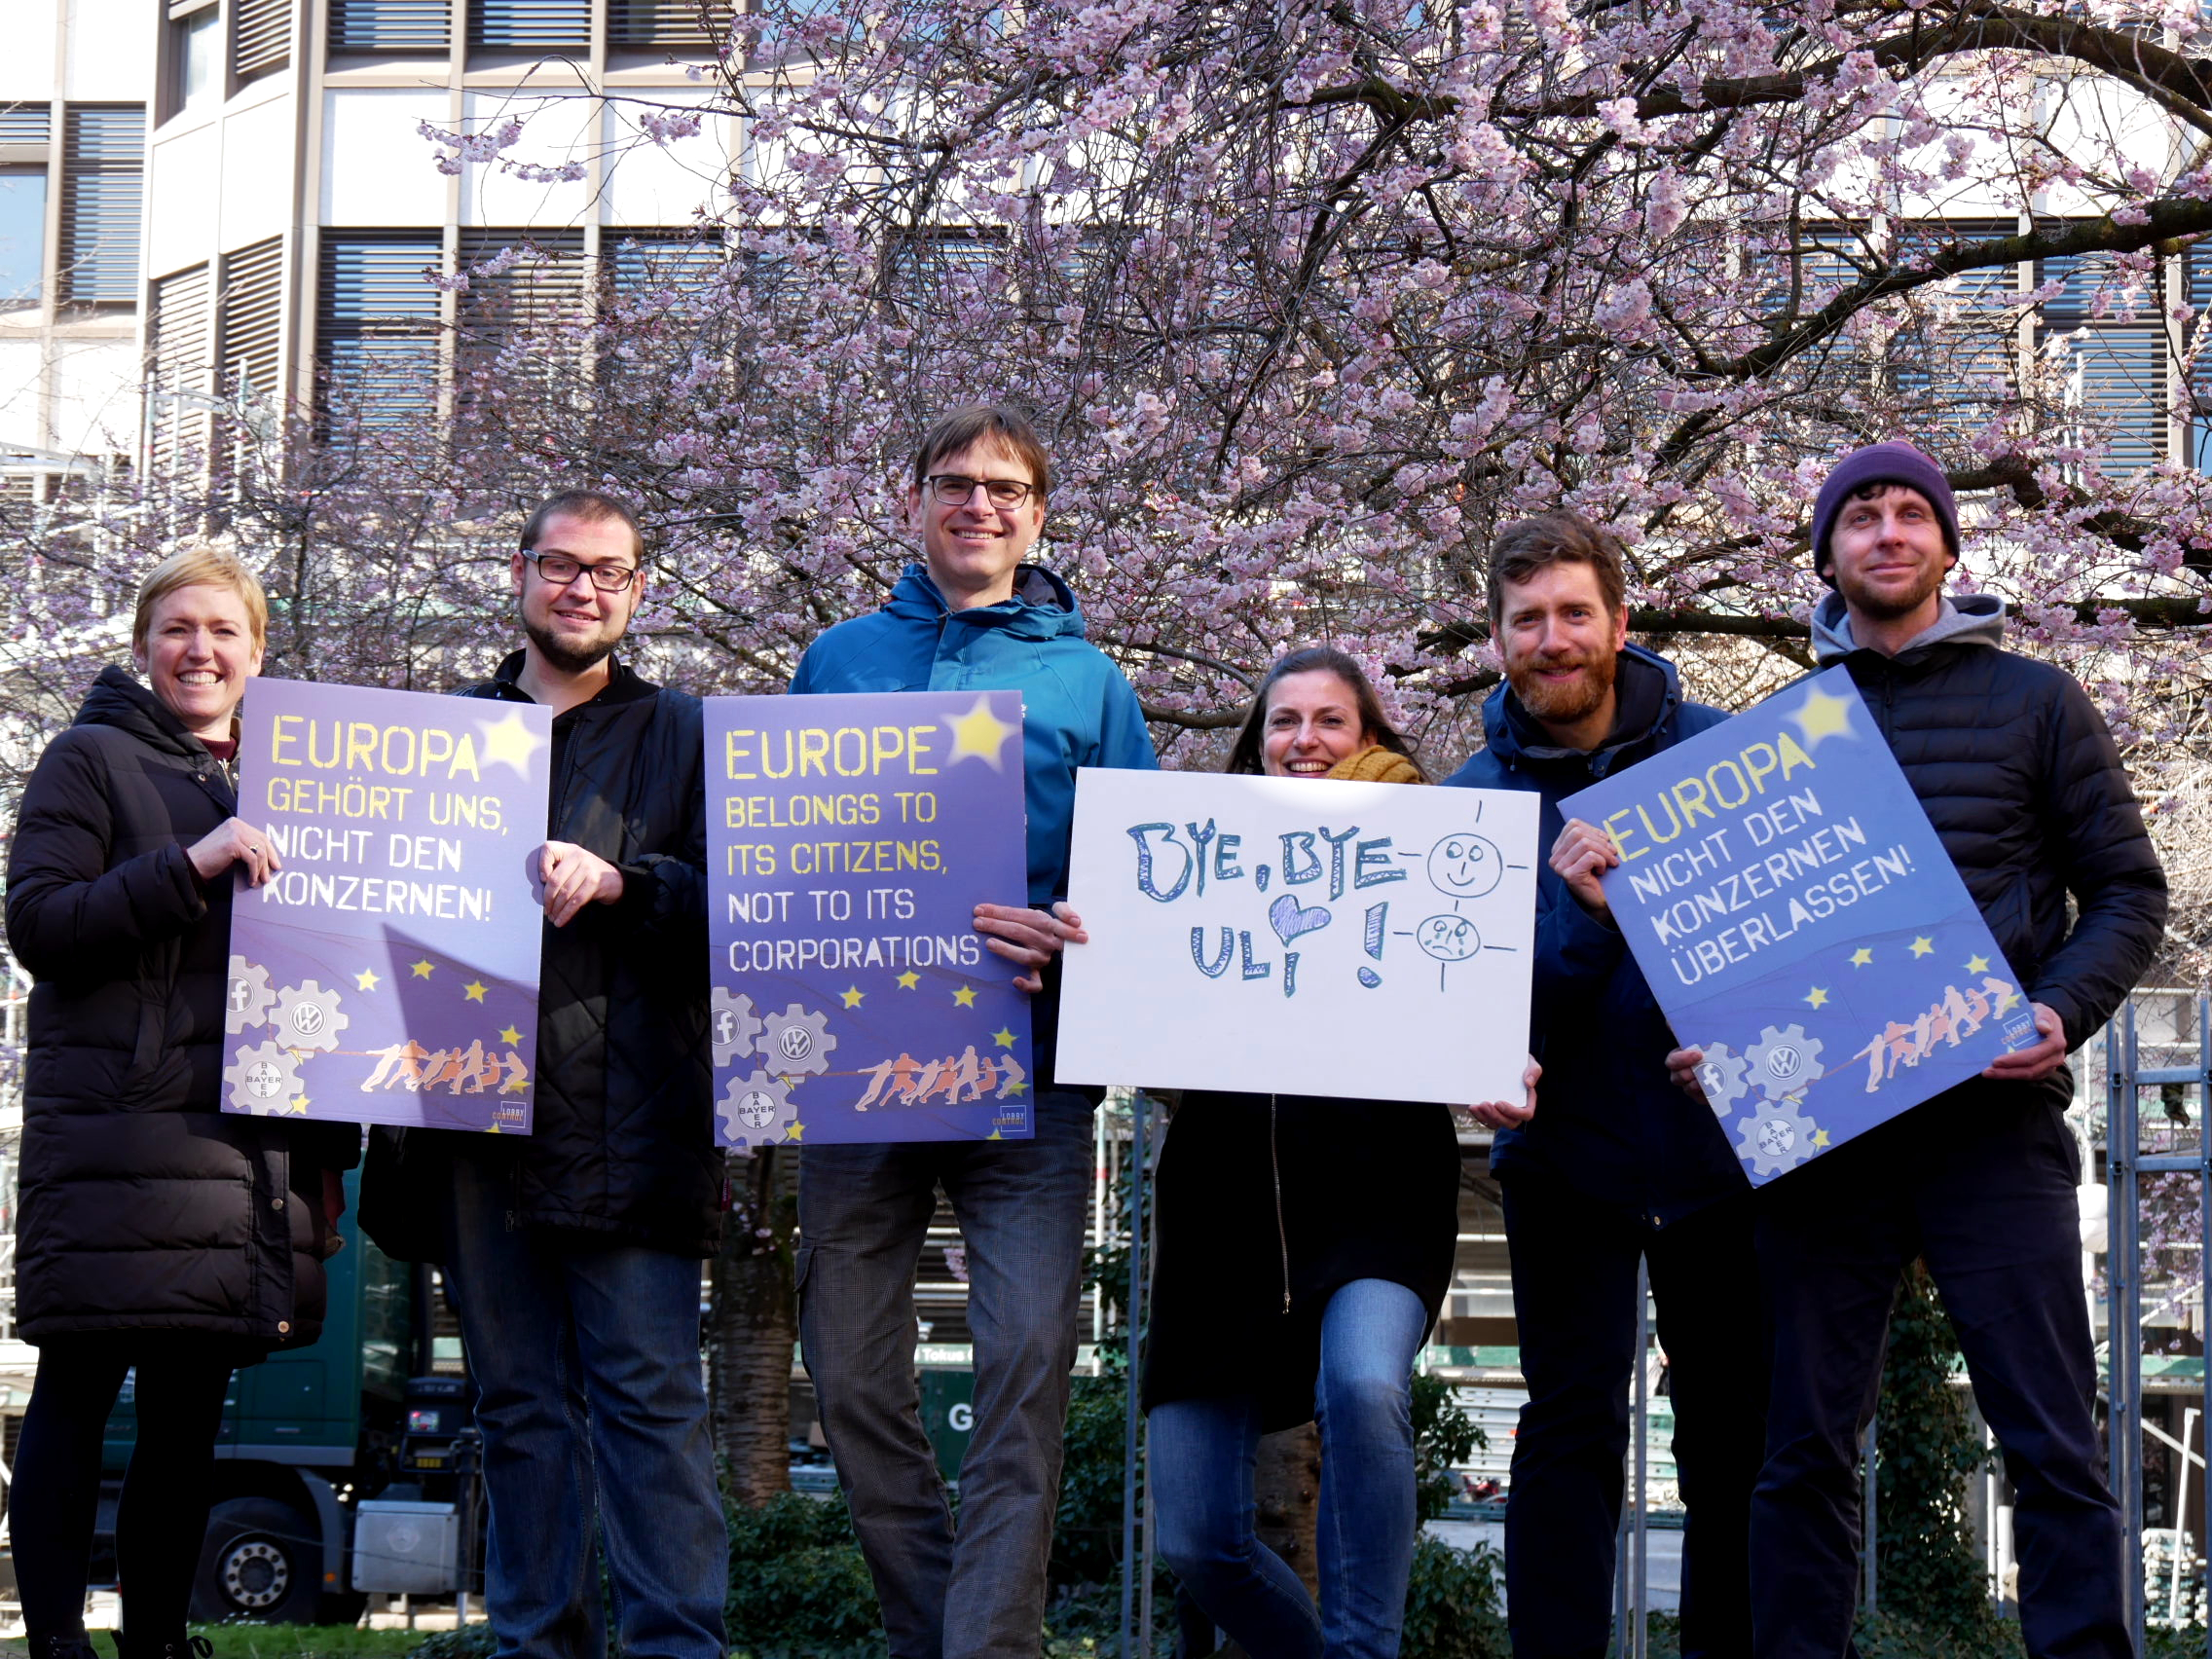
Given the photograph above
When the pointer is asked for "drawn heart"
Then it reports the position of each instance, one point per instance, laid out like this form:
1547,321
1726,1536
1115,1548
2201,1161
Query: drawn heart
1289,921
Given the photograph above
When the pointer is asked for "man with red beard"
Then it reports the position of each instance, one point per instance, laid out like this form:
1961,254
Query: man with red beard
1617,1165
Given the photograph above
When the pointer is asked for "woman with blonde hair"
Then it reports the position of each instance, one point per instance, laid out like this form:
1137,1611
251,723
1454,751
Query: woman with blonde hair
154,1233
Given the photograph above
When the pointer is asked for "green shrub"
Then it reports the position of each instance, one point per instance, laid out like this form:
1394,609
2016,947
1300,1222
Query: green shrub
1452,1610
797,1585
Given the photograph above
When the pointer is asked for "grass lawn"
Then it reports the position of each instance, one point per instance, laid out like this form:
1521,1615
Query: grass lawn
307,1641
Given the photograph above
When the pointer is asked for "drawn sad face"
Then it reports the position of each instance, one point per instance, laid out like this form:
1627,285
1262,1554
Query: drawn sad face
1447,938
1464,865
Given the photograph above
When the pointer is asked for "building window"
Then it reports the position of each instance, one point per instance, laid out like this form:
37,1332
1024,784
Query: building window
377,329
103,188
262,40
25,132
181,396
195,57
390,25
667,23
530,26
2112,367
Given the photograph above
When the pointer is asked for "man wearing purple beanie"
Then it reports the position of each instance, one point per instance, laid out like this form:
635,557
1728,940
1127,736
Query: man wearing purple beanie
2021,778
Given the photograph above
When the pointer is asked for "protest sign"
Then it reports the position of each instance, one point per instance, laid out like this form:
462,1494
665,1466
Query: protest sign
387,973
849,840
1799,921
1308,937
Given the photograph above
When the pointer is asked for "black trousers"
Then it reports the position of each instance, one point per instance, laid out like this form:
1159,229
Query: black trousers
1574,1295
161,1517
1980,1183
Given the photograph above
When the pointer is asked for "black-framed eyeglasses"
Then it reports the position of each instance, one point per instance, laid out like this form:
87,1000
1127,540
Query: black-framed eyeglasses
560,570
950,490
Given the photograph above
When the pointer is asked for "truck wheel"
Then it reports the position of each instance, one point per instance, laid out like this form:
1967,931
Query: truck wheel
262,1560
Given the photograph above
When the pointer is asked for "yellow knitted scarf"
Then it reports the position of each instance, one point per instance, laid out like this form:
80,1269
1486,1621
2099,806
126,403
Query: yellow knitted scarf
1375,764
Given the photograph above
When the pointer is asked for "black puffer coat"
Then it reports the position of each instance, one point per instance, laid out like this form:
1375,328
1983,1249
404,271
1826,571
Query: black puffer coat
623,1141
144,1207
2020,777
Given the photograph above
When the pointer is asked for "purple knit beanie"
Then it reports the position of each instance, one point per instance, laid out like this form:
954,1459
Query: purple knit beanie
1880,463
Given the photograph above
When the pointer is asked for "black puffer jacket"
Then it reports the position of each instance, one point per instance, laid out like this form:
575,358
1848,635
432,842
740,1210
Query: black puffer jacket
144,1207
2020,777
623,1139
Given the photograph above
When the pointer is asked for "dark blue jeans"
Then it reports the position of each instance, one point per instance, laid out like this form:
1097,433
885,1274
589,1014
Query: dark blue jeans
1202,1453
1574,1298
864,1211
585,1356
1980,1184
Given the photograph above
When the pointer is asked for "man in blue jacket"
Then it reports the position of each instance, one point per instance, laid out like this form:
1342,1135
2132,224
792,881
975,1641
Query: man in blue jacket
971,614
1617,1165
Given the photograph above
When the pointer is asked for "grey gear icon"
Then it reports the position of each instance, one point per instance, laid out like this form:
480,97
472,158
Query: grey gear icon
247,995
731,1026
796,1041
1784,1062
1720,1074
307,1016
1773,1139
264,1080
756,1109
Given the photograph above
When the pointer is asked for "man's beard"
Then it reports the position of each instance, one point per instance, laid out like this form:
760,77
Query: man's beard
567,657
1576,699
1882,608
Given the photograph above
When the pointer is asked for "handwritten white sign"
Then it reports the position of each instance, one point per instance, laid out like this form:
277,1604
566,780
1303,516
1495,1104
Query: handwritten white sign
1298,936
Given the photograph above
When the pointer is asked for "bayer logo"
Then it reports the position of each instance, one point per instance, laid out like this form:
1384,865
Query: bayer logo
1776,1138
263,1081
756,1109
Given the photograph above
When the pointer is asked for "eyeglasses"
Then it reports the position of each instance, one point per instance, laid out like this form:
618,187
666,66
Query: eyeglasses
560,570
950,490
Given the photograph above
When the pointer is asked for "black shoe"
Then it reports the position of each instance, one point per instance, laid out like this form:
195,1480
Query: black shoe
178,1648
63,1647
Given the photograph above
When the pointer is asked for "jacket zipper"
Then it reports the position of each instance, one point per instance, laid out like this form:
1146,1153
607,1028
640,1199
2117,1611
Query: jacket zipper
1282,1235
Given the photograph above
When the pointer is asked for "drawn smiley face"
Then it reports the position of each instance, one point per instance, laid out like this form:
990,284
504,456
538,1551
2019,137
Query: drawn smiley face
1464,865
1447,938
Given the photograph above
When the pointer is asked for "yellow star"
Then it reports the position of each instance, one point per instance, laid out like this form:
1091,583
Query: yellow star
1816,998
510,1036
1922,946
1862,957
965,996
1003,1038
301,1105
510,743
366,978
421,969
980,734
473,991
1018,1088
490,1129
795,1132
994,1135
2011,1001
852,997
1820,1137
1822,715
1977,964
909,979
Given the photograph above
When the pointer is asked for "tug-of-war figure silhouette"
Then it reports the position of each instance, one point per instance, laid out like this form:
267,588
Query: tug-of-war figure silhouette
1306,1243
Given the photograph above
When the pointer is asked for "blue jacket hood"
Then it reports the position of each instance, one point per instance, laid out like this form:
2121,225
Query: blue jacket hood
1043,606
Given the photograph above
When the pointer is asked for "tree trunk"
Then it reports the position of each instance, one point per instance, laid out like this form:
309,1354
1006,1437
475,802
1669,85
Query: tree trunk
751,1331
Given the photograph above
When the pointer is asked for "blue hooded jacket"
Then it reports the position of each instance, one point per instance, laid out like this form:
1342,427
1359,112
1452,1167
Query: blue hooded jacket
1609,1121
1076,708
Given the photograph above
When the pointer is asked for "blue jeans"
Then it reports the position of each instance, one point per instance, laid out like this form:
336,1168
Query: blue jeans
586,1357
1202,1460
863,1213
